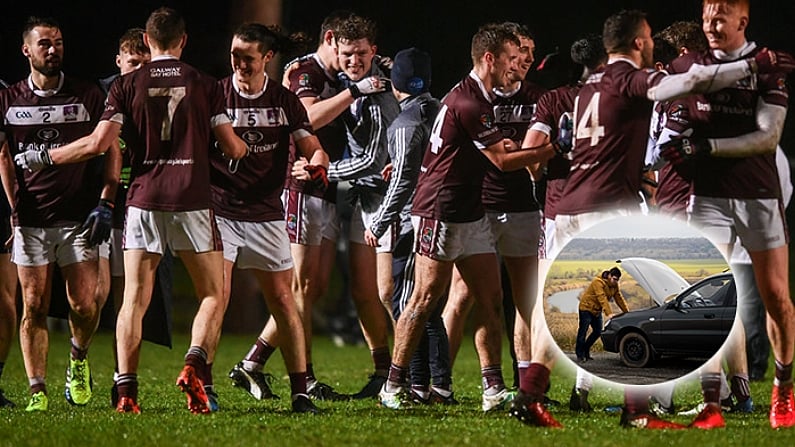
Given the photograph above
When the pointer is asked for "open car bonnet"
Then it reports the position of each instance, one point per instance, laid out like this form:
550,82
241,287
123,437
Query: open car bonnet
656,278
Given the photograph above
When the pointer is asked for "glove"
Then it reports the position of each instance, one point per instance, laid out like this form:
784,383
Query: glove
683,148
33,160
318,175
99,222
769,61
564,143
367,86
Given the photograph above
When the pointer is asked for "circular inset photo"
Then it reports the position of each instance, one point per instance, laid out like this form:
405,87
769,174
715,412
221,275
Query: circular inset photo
639,300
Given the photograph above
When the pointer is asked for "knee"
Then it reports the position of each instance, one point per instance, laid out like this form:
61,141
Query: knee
84,309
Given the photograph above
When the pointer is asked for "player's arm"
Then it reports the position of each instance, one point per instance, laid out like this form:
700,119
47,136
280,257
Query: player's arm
96,143
231,145
507,156
112,171
316,169
408,147
323,111
535,137
770,123
8,174
366,162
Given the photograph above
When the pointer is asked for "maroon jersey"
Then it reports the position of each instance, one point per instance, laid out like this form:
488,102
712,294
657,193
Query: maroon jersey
675,183
549,109
173,108
511,192
611,124
250,189
312,80
56,195
451,176
728,113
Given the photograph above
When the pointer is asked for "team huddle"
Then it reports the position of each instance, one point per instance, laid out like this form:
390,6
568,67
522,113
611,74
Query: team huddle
243,172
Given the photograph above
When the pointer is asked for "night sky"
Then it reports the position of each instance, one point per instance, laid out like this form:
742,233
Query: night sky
91,29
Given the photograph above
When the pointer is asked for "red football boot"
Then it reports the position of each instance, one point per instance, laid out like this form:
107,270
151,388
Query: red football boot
532,412
710,417
782,413
127,405
648,421
192,386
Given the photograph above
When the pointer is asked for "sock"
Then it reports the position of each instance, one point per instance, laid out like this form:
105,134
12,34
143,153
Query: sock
258,355
740,387
636,402
524,383
783,374
538,379
37,384
78,352
710,388
127,384
492,377
381,359
422,391
397,378
197,358
298,383
310,373
443,391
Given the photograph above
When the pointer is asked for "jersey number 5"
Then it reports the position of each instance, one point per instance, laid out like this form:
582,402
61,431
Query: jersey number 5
175,95
587,125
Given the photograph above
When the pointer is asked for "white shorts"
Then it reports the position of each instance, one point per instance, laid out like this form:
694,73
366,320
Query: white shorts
116,254
153,231
758,223
568,226
550,247
309,219
517,234
256,245
42,246
361,220
446,241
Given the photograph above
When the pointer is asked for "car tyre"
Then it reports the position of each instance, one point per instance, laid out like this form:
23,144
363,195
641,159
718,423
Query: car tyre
635,350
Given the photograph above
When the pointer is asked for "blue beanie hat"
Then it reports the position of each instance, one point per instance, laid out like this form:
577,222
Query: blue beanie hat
411,71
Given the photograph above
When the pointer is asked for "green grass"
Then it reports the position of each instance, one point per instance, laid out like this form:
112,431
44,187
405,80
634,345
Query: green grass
244,421
586,269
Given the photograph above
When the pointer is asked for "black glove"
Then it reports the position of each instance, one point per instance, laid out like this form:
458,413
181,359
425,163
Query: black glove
318,175
99,222
682,148
565,141
769,61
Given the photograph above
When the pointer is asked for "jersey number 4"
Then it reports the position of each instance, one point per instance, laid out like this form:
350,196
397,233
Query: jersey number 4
175,95
436,132
587,126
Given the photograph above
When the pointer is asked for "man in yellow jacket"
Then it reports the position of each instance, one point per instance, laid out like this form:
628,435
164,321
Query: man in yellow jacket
594,301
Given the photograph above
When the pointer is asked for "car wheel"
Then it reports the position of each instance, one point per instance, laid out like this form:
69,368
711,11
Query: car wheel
635,350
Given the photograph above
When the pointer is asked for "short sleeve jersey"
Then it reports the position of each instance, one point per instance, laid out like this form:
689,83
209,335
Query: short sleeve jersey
452,172
311,80
511,192
728,113
173,108
34,120
611,123
549,109
250,189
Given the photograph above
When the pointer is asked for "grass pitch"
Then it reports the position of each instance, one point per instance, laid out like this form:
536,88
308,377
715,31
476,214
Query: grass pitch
243,421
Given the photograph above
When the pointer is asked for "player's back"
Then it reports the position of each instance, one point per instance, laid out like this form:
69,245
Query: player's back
173,107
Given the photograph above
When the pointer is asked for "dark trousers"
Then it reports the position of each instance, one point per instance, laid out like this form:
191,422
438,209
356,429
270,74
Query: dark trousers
752,312
583,346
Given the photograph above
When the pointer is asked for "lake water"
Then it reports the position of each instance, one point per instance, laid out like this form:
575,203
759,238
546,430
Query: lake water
566,301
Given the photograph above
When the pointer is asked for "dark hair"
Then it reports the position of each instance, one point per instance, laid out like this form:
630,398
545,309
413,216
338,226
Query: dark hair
518,30
355,27
34,21
685,34
332,22
132,41
589,51
664,52
491,38
621,29
615,272
165,27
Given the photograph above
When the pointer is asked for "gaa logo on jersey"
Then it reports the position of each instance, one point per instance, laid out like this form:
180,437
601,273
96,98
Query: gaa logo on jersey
303,80
70,112
781,83
292,221
252,136
427,235
48,134
487,120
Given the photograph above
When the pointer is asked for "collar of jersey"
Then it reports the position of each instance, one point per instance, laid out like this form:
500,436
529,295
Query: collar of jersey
48,92
250,95
746,48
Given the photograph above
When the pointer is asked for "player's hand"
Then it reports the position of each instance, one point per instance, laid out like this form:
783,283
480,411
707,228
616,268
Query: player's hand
683,148
386,173
564,143
33,160
298,172
10,241
769,61
368,86
99,222
370,239
318,175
